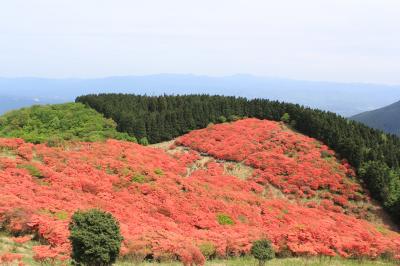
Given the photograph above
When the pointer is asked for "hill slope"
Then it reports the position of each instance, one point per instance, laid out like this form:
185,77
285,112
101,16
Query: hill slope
386,119
57,123
176,204
375,156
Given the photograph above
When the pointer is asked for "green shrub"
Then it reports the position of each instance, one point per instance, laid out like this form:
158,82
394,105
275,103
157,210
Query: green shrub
224,219
262,250
61,215
143,141
233,118
158,171
221,119
325,154
139,178
95,238
285,118
207,249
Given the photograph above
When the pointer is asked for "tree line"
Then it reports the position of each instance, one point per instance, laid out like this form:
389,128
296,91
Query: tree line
152,119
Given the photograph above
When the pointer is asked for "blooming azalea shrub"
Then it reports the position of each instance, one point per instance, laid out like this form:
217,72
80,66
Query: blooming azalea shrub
172,214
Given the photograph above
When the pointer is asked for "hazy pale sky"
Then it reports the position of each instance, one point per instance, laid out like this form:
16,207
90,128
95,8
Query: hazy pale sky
337,40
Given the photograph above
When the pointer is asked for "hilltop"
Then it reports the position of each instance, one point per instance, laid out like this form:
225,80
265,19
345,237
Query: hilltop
386,119
374,155
57,123
207,194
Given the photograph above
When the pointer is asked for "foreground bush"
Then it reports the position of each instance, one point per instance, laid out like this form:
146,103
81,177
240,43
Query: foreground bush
262,251
95,238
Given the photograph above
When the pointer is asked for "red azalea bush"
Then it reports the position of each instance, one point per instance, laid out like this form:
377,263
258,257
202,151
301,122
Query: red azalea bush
164,213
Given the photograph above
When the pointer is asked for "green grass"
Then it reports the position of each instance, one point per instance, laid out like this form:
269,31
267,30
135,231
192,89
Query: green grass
247,261
7,245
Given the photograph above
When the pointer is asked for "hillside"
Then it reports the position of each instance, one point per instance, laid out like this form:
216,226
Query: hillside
386,119
56,123
375,156
209,193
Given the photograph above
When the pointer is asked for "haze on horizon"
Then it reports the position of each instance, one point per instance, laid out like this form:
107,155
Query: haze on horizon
340,40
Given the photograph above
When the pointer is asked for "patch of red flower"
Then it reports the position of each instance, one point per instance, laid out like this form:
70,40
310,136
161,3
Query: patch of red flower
8,258
299,166
163,212
22,239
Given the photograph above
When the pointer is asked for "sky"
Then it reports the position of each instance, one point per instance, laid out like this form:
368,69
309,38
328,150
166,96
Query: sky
335,40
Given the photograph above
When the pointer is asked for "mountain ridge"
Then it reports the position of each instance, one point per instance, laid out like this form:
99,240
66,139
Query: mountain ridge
344,98
386,118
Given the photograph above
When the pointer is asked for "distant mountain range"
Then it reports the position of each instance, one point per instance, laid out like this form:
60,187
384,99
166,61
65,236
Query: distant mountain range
346,99
386,118
14,102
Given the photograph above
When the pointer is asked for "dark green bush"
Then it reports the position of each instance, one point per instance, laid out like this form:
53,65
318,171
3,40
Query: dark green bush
262,250
95,238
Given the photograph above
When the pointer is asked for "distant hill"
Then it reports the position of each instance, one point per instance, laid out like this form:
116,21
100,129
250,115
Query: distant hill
386,118
8,103
346,99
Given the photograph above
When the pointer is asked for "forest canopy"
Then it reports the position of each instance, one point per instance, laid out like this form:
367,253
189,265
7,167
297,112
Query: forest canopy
56,123
161,118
